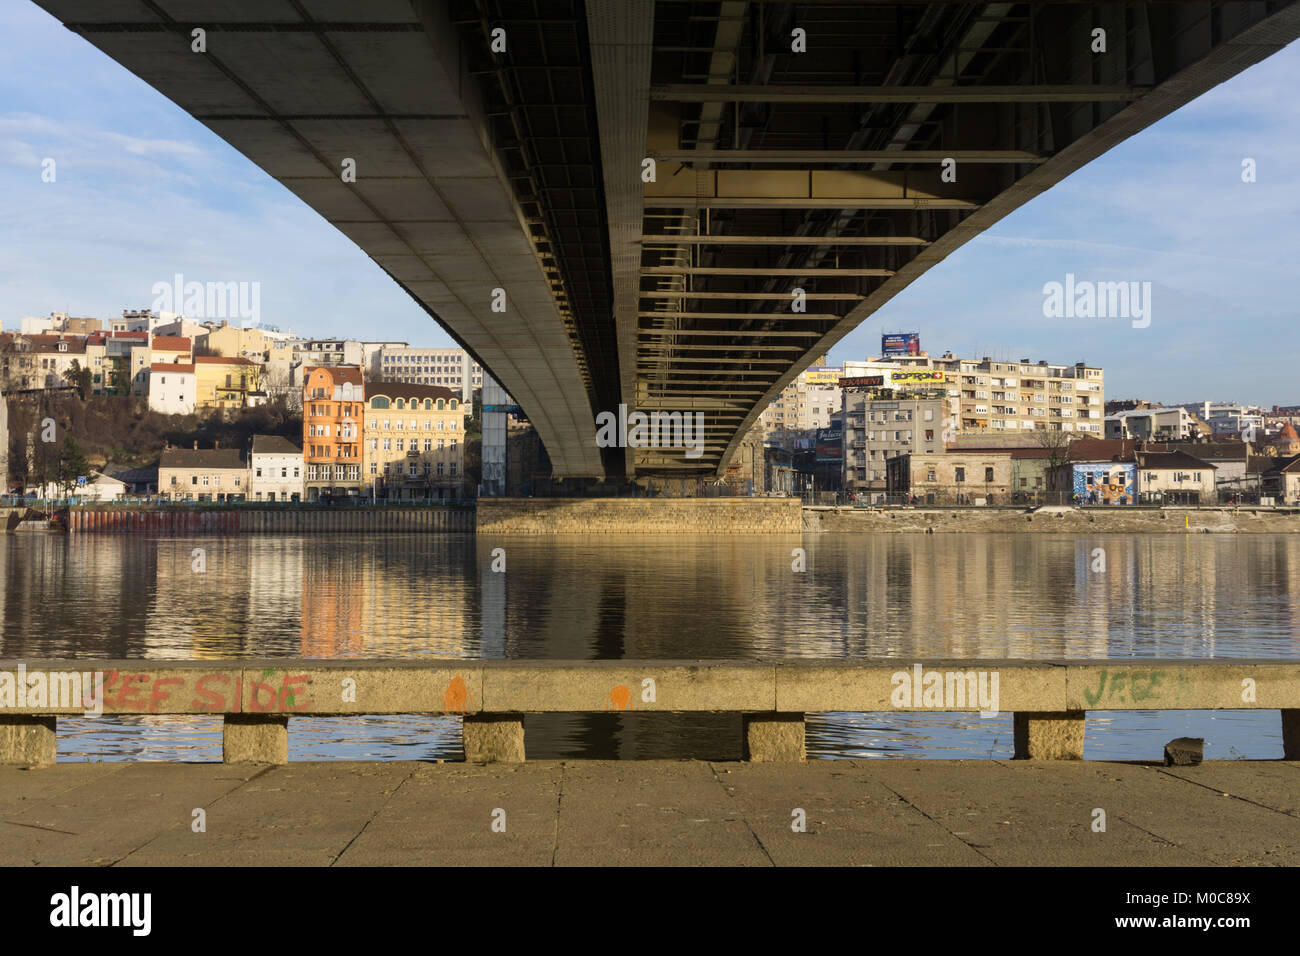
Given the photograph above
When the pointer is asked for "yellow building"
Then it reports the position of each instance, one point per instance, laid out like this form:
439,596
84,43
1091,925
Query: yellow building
226,382
230,341
414,441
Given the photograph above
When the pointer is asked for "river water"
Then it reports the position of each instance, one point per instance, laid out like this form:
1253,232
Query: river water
913,597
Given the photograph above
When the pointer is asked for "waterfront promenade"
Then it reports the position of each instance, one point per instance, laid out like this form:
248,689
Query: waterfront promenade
882,812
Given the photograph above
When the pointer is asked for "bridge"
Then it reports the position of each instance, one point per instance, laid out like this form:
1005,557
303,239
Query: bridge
616,202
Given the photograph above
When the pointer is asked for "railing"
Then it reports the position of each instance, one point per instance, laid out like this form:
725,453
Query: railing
1048,699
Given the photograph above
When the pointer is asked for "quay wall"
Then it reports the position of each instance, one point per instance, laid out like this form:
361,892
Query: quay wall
639,516
1054,521
389,520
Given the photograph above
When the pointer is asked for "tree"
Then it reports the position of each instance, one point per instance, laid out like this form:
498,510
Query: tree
1057,444
72,464
79,378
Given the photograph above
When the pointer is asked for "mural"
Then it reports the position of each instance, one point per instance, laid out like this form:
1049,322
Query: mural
1105,483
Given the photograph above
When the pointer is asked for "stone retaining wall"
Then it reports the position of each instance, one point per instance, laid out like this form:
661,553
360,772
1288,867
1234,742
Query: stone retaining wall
1067,521
639,516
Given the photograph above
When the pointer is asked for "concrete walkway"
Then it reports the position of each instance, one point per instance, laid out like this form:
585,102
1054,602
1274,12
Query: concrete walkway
877,812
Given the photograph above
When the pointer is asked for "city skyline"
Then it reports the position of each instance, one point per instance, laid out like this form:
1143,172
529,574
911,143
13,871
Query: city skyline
143,191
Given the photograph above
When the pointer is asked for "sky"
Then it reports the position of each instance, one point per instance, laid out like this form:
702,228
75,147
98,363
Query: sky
143,192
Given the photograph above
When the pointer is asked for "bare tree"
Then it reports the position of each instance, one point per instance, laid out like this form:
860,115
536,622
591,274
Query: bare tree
1057,444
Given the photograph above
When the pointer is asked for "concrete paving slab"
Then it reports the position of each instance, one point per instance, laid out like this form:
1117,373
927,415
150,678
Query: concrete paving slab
299,814
444,816
107,816
24,787
850,818
1270,784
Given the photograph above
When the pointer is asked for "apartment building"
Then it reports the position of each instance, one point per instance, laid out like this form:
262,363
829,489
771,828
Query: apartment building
414,441
1150,424
421,365
203,474
333,408
173,387
1003,397
227,382
879,427
803,406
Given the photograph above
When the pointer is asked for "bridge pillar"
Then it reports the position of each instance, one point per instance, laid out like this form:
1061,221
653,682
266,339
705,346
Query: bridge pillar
774,738
1291,734
261,739
493,738
28,740
1049,736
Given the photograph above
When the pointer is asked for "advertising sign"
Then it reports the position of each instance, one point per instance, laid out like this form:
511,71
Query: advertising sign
823,375
862,381
918,377
900,343
830,443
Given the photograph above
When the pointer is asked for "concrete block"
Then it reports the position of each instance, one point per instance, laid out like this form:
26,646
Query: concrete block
1184,752
1291,734
540,687
1048,736
493,738
361,687
775,738
873,687
28,740
261,739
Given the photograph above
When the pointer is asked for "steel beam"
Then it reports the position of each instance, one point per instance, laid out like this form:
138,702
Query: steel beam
664,240
784,93
777,156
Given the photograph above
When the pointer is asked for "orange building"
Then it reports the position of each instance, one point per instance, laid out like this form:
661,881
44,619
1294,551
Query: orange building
332,403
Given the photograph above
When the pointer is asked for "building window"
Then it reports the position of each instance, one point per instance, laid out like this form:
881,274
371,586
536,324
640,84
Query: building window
960,474
930,475
988,474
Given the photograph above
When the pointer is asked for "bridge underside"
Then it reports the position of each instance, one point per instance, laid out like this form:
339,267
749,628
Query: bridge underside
775,169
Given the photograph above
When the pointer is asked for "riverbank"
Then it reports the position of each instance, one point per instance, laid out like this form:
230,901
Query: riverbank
1053,520
616,813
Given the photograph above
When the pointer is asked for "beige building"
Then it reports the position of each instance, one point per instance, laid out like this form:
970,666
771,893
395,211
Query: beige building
232,341
1175,478
971,478
207,474
421,365
413,441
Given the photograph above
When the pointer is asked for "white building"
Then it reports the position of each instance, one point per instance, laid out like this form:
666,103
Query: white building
173,388
421,365
276,468
1150,424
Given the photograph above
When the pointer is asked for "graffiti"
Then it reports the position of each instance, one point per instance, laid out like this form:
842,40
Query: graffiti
214,693
620,698
1125,687
1105,484
457,699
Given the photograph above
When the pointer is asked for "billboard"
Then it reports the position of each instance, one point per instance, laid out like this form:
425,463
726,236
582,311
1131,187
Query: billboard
918,377
862,381
900,343
830,443
823,375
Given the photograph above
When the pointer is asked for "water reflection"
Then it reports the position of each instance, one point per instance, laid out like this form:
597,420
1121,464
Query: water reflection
916,597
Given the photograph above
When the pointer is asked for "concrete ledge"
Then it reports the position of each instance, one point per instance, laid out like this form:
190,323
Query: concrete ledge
539,687
28,741
493,739
1291,734
255,739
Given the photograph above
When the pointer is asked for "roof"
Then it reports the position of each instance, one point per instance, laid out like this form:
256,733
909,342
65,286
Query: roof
134,475
1288,433
1155,460
170,367
176,343
408,390
50,343
1205,451
1101,449
222,360
202,458
274,445
338,373
1289,465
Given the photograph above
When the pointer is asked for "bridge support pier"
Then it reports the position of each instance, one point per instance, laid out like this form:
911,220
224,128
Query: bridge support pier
493,738
774,738
28,740
1049,736
1290,734
261,739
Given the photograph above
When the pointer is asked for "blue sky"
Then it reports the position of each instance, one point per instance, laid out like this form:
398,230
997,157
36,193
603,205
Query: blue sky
143,192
